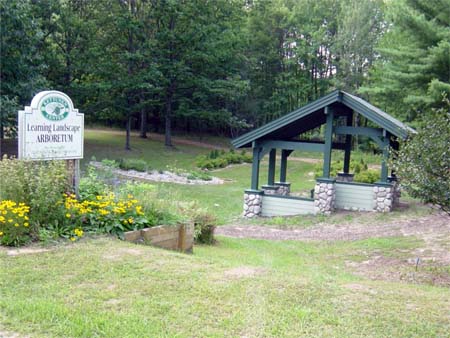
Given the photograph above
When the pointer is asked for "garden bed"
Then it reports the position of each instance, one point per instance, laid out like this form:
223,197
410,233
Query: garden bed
180,237
158,176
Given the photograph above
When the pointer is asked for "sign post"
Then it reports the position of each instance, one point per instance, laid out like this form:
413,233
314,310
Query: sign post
52,129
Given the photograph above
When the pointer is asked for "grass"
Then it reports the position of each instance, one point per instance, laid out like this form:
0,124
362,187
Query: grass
103,287
107,288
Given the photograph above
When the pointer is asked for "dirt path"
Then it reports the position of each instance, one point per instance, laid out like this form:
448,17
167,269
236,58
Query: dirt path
433,229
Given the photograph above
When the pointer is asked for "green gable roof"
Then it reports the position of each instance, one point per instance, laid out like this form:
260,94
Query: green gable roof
312,115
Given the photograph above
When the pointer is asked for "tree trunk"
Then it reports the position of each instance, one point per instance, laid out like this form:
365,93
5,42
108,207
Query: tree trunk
127,140
168,118
143,131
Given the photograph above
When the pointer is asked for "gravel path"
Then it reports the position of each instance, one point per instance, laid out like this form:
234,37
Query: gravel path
433,229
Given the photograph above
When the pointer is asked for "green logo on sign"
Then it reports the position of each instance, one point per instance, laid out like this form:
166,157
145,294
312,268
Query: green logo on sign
55,108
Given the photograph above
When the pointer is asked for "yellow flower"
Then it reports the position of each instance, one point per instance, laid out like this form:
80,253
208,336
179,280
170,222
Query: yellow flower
78,232
125,222
72,239
16,224
1,233
26,224
130,220
10,220
26,218
68,215
130,196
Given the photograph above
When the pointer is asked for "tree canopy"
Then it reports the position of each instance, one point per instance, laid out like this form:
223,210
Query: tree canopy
221,66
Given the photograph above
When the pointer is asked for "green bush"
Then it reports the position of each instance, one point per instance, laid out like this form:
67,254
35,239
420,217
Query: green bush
195,175
38,184
367,176
358,168
133,164
220,159
91,185
204,226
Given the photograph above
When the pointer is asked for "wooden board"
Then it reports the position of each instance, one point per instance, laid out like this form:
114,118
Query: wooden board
278,206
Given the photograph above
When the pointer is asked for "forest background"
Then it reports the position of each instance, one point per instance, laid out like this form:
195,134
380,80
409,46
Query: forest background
222,66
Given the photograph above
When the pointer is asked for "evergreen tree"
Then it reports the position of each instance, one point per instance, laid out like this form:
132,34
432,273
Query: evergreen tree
414,72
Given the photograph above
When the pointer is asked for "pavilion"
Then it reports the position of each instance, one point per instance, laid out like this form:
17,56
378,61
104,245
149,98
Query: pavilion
335,111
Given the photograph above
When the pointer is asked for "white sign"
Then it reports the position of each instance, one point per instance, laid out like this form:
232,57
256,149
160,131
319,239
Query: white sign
51,128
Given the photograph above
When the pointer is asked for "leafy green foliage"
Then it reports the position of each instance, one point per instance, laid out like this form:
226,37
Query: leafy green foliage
204,226
220,159
359,168
39,185
133,164
423,162
412,73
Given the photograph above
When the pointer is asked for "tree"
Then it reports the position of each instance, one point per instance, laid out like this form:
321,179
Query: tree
414,70
360,24
423,162
21,64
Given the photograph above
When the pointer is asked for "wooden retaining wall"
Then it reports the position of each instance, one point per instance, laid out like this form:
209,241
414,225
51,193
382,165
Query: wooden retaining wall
179,238
286,206
354,196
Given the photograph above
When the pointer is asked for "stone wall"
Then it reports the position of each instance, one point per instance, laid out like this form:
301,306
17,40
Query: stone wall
324,196
396,191
343,177
270,189
284,188
383,197
252,203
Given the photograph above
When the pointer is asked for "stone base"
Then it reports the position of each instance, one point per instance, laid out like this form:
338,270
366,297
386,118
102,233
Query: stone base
284,188
343,177
383,197
396,191
324,196
270,189
252,203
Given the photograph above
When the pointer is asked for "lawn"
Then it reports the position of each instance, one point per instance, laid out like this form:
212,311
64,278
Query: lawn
104,287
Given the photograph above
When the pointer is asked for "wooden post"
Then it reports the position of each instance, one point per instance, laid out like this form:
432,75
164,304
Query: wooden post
272,159
283,165
348,145
384,167
73,170
328,142
255,167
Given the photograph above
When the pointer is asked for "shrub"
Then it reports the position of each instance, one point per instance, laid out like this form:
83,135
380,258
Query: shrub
195,175
216,159
38,184
359,168
14,223
133,164
367,176
204,226
423,162
91,186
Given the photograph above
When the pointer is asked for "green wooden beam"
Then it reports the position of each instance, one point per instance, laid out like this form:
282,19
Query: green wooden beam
292,145
283,166
365,131
384,167
271,174
328,142
255,168
348,145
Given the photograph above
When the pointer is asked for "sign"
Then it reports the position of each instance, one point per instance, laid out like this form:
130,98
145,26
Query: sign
51,128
